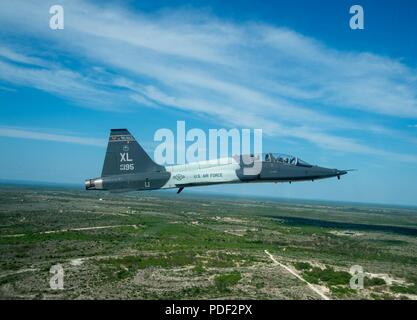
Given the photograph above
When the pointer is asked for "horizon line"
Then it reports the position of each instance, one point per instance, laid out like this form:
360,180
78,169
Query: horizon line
227,195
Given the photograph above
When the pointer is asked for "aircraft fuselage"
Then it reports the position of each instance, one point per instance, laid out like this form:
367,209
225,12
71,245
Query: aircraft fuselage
212,172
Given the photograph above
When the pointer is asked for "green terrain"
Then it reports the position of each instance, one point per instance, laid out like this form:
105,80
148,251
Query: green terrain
167,246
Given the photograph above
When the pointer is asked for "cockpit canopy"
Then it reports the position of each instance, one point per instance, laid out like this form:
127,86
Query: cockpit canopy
284,158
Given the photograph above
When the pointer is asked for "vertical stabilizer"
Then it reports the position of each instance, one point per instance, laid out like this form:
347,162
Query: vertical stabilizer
124,155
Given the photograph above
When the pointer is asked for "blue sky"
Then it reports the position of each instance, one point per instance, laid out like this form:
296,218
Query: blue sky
331,95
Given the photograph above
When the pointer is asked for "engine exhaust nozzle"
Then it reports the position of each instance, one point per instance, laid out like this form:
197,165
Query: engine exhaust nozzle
93,184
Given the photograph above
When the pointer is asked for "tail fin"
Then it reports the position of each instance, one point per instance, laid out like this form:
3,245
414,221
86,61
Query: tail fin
124,155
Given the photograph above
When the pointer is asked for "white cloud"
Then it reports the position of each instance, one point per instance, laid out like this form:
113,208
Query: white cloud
9,54
23,133
57,80
247,74
7,89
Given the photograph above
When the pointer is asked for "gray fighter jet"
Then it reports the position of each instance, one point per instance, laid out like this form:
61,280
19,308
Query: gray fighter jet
127,167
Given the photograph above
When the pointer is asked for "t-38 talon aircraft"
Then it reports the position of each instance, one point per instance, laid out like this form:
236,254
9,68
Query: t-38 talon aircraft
127,167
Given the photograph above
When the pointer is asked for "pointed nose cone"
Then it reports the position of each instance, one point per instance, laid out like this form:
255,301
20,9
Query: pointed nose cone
329,173
341,172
